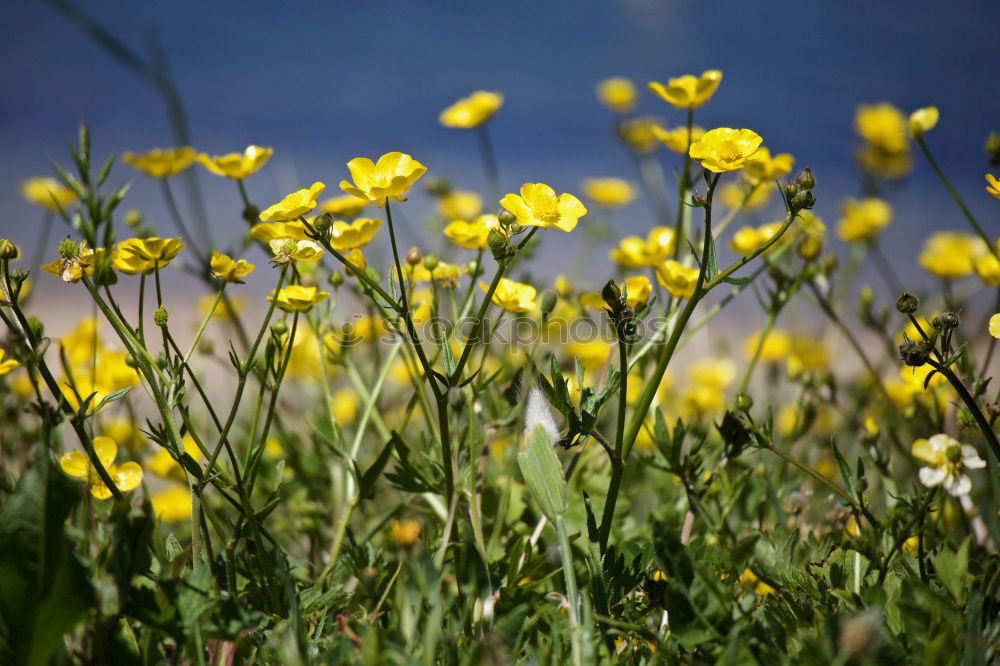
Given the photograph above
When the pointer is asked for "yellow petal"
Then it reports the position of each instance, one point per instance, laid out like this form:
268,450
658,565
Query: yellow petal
106,450
75,463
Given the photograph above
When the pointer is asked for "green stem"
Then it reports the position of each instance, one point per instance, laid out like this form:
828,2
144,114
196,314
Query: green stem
759,347
204,323
572,594
684,186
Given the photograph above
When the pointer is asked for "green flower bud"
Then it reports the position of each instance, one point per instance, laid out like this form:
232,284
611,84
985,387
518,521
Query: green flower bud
805,180
133,218
279,327
506,217
744,402
549,300
160,317
907,303
430,262
8,250
68,249
946,321
336,278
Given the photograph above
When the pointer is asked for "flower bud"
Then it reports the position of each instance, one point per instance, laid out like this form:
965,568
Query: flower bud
474,268
803,200
810,247
497,242
160,317
744,402
251,214
413,256
336,278
430,262
946,321
805,180
914,354
206,346
907,303
506,217
8,250
133,218
323,224
279,327
866,296
549,300
161,362
612,295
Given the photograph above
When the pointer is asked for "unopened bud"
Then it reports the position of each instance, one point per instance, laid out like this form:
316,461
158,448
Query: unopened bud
803,200
8,250
907,303
413,256
805,180
914,354
336,278
279,327
251,214
323,224
160,317
133,218
438,188
506,218
430,262
744,402
549,300
612,295
946,321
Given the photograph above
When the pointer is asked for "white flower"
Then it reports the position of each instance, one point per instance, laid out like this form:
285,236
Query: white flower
947,459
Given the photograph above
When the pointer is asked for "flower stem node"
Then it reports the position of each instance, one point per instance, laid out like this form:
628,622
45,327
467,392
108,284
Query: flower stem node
907,303
161,317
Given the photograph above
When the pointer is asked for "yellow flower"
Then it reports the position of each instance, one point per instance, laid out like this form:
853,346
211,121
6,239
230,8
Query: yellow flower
616,93
161,163
513,296
634,252
609,192
538,206
677,139
947,459
748,239
993,186
344,205
146,253
638,134
750,583
883,126
345,405
75,262
126,477
346,236
224,268
807,354
472,111
8,365
172,505
295,205
716,373
688,91
237,165
459,205
592,353
725,149
46,192
125,431
995,325
777,346
389,178
162,464
223,310
287,250
471,235
443,271
923,120
296,298
951,254
637,290
677,279
764,167
863,219
265,233
745,194
404,533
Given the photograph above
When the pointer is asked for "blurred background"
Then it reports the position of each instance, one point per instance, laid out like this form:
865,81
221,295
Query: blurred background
323,82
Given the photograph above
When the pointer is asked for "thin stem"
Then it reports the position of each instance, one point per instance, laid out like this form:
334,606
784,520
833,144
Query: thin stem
489,161
684,185
759,347
970,402
204,323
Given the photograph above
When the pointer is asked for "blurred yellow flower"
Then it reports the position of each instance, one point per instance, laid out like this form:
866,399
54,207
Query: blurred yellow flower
725,149
638,134
471,235
389,178
863,219
677,279
345,405
748,195
161,163
616,93
225,268
346,236
688,91
295,205
512,296
764,167
634,252
609,192
748,239
717,373
237,165
296,298
538,206
993,186
265,233
344,205
777,346
162,464
749,582
8,365
472,111
442,271
807,354
923,120
637,290
995,325
125,431
172,505
592,353
951,254
988,269
883,126
404,533
222,310
677,139
126,477
460,205
46,192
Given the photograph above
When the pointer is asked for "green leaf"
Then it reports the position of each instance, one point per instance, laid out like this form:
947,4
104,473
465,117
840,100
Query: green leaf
44,588
952,569
543,473
366,484
108,399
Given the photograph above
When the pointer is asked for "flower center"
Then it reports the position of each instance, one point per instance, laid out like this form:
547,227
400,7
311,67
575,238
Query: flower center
728,150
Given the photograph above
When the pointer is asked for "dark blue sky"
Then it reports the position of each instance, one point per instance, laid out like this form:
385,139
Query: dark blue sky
323,82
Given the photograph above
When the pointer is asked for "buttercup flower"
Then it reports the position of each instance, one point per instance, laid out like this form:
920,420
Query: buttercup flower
512,296
947,459
951,254
162,464
144,254
266,233
777,346
45,192
538,206
296,298
987,267
634,252
172,505
471,235
161,163
688,92
748,239
225,268
993,186
295,205
349,236
746,194
677,139
863,219
404,533
389,178
8,365
609,192
237,165
677,279
126,477
725,149
442,272
995,325
287,250
459,205
763,167
638,134
74,261
923,120
637,290
616,93
343,206
883,126
472,111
